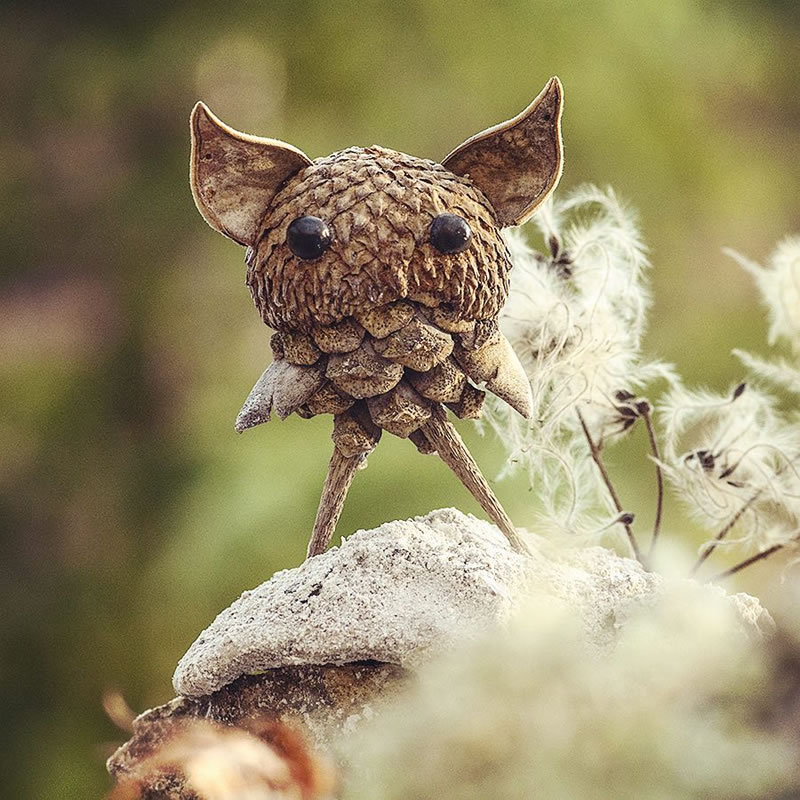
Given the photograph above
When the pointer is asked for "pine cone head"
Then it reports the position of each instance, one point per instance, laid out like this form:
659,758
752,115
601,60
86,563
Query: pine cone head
378,206
336,237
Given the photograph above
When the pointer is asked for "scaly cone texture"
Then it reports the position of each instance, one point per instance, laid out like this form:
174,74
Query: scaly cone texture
381,328
382,316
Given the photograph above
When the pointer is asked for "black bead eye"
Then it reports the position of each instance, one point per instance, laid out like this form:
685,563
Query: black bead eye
308,237
450,233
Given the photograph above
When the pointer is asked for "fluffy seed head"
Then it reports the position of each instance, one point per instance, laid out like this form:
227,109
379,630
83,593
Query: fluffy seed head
779,284
733,454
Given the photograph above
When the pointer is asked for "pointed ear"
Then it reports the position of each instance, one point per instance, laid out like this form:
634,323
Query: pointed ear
234,176
516,164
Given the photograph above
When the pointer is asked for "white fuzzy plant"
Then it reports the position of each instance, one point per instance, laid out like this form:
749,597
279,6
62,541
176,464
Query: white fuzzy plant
685,706
576,317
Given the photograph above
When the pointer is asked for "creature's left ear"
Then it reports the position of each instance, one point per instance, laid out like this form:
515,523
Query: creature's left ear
518,163
234,176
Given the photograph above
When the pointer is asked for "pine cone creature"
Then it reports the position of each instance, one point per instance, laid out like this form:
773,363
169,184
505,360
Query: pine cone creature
383,276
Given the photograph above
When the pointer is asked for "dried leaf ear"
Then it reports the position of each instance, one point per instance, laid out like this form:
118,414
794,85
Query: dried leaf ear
517,163
234,176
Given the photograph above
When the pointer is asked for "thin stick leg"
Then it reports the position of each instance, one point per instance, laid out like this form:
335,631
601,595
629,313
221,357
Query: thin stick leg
452,450
340,475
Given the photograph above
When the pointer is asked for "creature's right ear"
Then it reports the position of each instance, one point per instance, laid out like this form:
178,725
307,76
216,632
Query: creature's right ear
516,164
234,176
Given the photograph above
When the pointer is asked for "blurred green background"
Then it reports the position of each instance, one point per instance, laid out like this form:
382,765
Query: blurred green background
131,513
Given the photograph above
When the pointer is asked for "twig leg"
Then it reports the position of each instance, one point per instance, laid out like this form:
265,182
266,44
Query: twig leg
340,475
452,450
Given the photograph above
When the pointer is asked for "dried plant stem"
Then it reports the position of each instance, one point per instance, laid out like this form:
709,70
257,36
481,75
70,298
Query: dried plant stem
337,483
748,561
651,434
726,529
451,449
595,452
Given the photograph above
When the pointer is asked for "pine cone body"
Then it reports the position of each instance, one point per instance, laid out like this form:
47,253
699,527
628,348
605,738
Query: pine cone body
373,375
379,205
382,326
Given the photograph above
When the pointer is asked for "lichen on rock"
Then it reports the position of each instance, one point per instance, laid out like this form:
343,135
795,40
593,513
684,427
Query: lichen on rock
410,589
330,644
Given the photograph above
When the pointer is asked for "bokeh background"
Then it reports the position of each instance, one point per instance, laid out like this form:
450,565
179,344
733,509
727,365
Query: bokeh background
131,513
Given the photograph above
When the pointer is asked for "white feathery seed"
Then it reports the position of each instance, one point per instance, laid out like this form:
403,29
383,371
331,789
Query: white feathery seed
732,454
576,318
779,284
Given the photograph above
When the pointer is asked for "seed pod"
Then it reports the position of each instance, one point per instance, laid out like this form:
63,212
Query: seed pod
406,249
283,387
354,433
470,405
482,333
417,345
298,348
510,383
449,320
341,338
328,400
276,345
443,383
480,364
383,320
363,373
401,411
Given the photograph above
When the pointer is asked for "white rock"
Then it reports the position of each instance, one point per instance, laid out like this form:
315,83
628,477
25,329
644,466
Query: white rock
403,591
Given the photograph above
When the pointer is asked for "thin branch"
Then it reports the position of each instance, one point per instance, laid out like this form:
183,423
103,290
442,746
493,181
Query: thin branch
595,452
748,561
442,434
648,421
726,529
341,471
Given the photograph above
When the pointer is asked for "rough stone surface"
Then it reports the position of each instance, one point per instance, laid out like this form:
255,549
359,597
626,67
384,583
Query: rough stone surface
326,700
408,589
326,643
